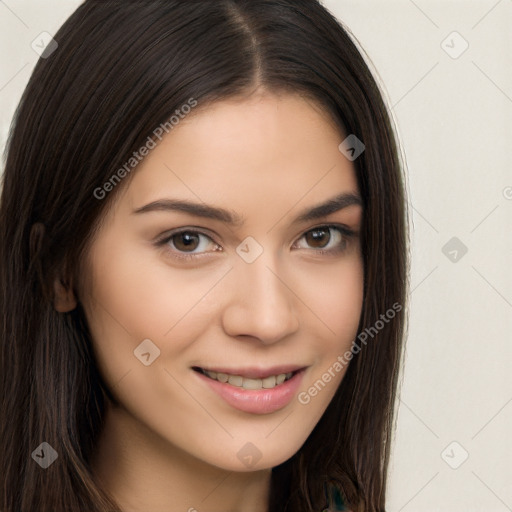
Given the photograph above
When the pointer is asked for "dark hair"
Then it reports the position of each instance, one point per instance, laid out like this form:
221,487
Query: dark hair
121,69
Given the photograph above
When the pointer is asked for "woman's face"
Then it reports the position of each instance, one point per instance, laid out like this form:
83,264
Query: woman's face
230,251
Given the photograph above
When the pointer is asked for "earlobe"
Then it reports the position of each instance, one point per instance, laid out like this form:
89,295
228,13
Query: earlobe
64,297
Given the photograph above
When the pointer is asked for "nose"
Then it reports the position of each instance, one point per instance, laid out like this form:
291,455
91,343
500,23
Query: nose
261,304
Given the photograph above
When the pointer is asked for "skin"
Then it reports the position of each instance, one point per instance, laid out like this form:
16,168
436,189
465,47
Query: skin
172,443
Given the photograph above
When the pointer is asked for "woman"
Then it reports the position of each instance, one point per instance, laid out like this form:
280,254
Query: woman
203,265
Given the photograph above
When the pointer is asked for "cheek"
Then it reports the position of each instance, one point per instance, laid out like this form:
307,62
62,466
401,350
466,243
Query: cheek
131,297
335,294
136,290
342,304
338,299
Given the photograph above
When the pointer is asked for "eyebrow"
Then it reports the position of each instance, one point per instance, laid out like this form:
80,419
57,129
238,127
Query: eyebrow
230,217
330,206
197,209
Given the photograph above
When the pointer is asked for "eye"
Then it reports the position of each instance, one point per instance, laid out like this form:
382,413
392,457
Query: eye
189,242
324,239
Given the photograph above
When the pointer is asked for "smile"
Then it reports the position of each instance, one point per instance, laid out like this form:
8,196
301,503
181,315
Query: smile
240,381
254,390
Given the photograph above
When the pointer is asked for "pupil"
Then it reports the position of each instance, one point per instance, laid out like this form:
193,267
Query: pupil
318,237
186,241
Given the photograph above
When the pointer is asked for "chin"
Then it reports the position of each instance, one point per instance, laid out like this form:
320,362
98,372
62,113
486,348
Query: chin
257,455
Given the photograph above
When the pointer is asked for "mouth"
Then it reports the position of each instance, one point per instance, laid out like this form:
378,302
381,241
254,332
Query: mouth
253,390
248,380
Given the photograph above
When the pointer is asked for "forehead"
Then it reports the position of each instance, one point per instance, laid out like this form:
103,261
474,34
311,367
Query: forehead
245,153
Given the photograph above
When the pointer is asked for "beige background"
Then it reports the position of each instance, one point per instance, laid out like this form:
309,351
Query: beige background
454,116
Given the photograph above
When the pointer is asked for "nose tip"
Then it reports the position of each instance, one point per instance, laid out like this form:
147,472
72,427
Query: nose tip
261,306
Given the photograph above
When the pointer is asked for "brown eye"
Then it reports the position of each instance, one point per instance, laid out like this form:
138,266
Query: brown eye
186,241
318,238
324,239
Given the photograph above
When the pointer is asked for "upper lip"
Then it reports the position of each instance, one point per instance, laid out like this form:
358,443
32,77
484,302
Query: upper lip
254,372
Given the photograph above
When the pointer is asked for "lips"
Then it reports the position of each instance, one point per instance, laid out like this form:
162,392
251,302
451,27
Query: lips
247,393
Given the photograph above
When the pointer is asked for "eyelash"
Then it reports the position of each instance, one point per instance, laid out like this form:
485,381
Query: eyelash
346,235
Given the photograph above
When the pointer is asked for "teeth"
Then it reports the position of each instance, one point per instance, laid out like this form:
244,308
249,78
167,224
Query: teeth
246,383
252,384
234,380
268,382
222,377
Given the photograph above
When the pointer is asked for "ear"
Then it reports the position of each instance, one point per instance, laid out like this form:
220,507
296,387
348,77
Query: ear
64,297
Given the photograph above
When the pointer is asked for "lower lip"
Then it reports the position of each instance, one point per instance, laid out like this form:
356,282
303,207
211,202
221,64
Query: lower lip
256,401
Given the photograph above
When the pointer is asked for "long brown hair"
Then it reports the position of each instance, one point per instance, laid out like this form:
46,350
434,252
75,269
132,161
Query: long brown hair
121,69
